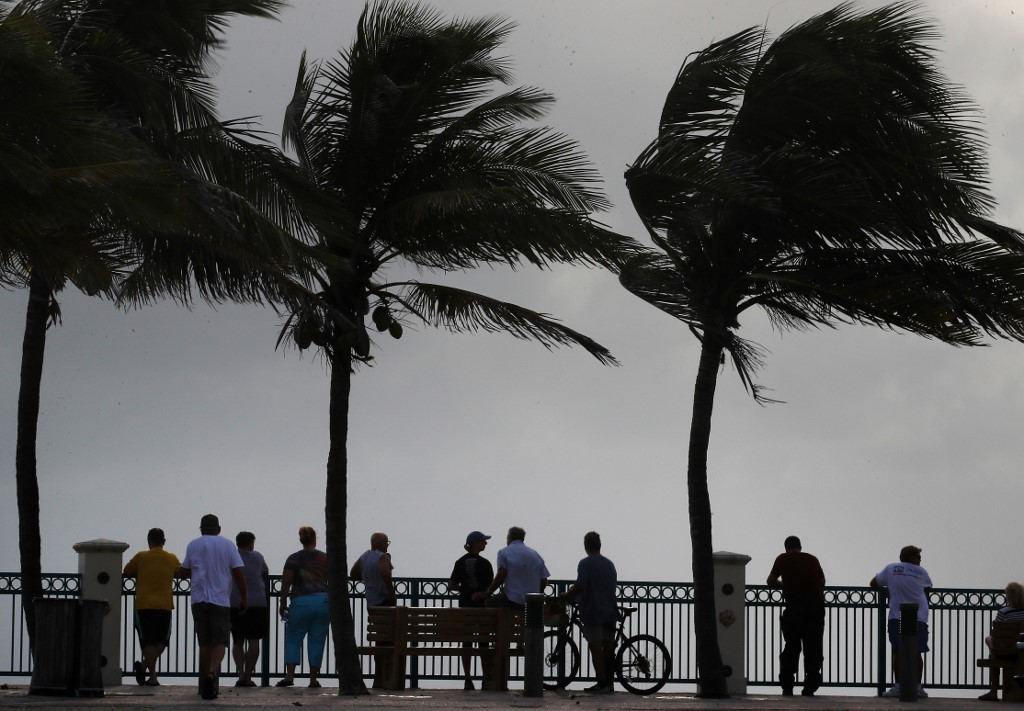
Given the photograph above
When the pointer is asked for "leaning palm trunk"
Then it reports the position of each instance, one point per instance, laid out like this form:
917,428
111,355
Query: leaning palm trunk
710,673
29,538
350,670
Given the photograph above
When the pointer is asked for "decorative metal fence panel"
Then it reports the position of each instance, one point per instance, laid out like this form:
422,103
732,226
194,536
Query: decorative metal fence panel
856,649
15,657
856,646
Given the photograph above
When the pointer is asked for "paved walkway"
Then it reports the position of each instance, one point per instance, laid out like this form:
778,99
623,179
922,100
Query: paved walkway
184,698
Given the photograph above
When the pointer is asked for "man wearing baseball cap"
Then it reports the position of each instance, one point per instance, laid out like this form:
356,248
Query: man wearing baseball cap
471,574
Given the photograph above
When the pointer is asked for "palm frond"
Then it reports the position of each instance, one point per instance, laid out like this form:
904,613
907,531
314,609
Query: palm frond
459,310
428,166
833,175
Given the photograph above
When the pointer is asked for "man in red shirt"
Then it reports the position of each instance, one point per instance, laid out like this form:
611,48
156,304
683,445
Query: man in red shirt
803,620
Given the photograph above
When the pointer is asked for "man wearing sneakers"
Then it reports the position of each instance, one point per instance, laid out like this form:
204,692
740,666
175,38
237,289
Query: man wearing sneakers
599,609
212,562
907,582
802,581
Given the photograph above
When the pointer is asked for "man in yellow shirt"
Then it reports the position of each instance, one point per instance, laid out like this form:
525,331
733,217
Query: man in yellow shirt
154,571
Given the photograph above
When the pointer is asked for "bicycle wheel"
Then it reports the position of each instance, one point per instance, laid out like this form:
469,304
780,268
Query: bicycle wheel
561,660
642,664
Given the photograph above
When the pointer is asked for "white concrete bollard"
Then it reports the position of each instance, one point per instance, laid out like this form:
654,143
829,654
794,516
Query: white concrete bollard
100,563
730,602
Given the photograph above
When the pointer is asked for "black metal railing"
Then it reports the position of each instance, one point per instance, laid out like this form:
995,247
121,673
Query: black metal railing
856,649
15,656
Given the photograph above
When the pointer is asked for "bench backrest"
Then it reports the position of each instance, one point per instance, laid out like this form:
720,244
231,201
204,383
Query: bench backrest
1005,635
426,625
452,624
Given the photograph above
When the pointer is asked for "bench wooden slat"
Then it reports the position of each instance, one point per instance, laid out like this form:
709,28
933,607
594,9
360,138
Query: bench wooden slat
399,632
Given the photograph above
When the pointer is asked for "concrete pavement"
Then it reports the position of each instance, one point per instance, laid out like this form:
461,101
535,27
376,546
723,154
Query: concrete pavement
184,698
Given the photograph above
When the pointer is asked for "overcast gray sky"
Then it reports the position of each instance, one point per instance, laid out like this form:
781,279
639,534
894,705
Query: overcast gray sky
155,417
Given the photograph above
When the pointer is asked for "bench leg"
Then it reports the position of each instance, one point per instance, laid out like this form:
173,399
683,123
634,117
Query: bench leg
496,671
1011,691
389,671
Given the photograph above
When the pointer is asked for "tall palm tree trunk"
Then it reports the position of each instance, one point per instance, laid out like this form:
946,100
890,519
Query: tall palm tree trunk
336,515
29,538
710,671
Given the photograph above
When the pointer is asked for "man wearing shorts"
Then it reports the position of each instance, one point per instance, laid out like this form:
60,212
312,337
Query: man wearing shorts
212,562
599,609
154,571
247,630
907,581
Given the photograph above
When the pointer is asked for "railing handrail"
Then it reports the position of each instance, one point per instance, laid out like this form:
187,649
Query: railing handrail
856,644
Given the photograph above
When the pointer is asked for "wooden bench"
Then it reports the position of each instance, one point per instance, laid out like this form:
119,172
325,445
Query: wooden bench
396,633
1006,658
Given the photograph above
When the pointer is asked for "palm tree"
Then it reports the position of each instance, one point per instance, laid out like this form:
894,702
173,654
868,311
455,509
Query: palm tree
419,165
834,176
201,222
56,148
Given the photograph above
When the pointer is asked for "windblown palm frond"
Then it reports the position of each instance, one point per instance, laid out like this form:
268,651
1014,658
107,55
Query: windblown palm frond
841,134
57,149
459,310
428,166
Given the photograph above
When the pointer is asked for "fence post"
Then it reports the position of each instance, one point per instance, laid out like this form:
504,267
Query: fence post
273,620
730,603
414,661
882,598
533,634
99,566
908,651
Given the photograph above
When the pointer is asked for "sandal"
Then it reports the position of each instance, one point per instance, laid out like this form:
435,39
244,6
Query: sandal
285,682
140,673
152,682
989,696
314,684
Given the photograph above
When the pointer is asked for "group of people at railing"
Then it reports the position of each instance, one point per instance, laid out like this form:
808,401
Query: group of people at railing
229,602
229,598
802,580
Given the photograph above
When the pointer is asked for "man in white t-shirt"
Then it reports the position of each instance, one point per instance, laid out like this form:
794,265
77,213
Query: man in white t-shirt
907,582
212,562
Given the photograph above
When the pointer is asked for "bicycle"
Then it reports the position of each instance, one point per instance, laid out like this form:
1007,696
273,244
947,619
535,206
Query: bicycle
642,661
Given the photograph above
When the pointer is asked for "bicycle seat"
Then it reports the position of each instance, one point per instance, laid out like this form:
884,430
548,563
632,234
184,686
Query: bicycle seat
625,612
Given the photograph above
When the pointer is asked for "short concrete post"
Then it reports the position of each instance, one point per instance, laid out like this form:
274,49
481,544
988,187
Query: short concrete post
533,640
100,563
730,602
908,651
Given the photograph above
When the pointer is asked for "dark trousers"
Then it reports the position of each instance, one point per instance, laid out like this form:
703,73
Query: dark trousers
803,626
